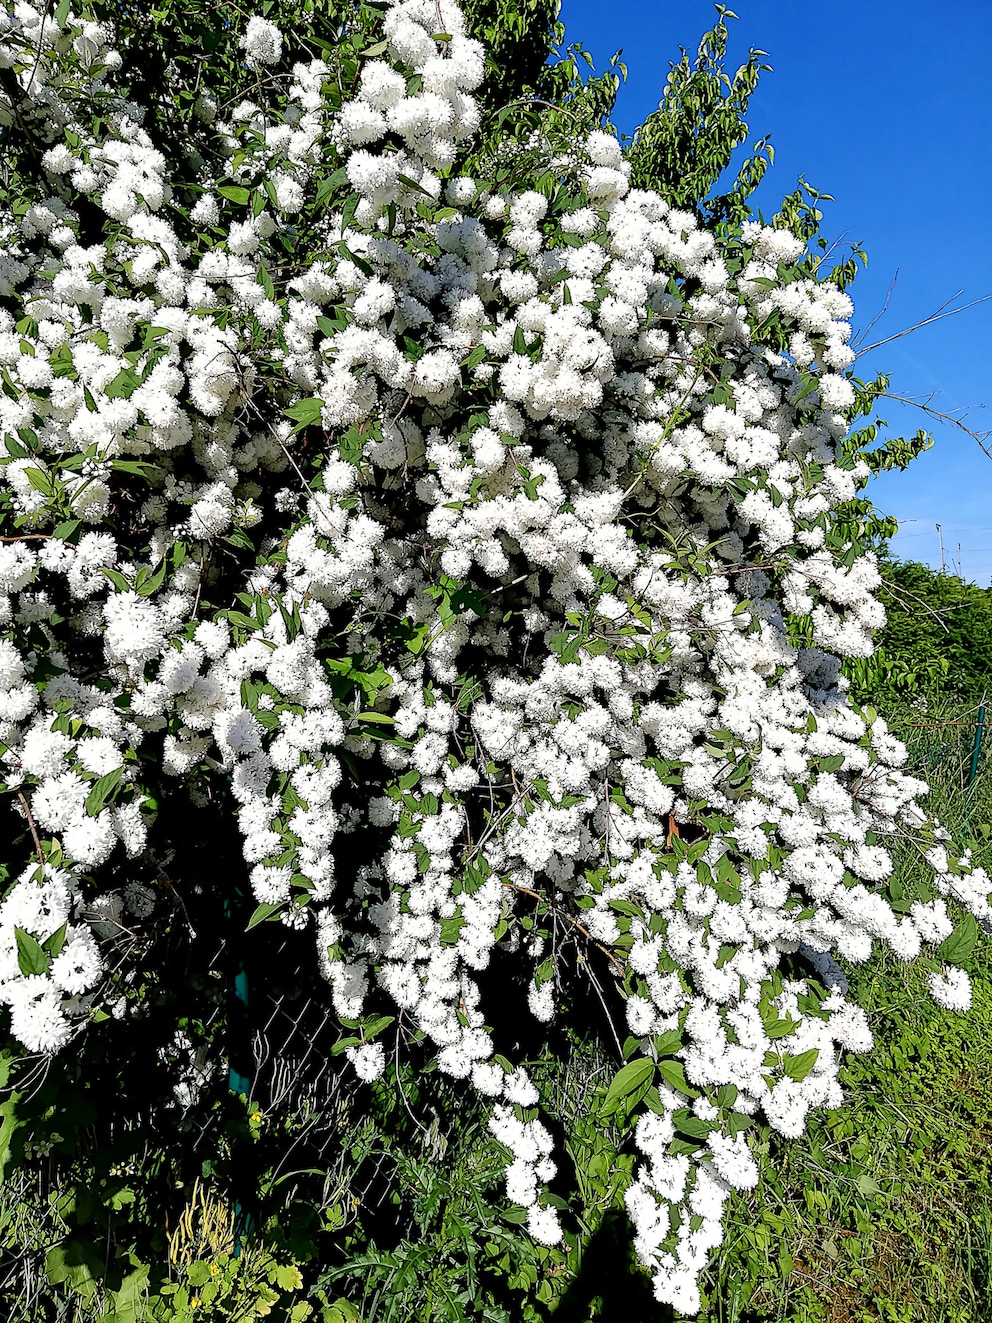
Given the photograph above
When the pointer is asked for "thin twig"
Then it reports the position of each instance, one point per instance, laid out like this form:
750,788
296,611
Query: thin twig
34,829
515,886
941,417
936,316
879,315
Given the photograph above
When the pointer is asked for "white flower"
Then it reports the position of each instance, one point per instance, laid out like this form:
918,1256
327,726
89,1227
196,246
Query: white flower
951,988
262,42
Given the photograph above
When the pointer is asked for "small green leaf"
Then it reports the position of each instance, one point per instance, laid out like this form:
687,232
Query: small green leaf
265,280
152,583
235,194
41,482
54,944
780,1028
116,578
668,1043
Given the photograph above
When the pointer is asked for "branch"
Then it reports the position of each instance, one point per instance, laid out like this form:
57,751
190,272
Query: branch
34,829
979,437
937,316
514,886
879,315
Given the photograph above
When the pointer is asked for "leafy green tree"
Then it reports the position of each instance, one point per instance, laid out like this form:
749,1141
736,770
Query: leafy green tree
938,635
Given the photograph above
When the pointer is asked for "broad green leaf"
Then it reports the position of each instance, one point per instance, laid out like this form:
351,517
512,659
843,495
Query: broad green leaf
304,412
102,788
799,1066
261,913
31,959
626,1080
958,946
673,1073
41,482
375,1025
54,944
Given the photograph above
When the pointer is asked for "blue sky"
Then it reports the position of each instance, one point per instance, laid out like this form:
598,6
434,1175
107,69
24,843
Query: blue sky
887,105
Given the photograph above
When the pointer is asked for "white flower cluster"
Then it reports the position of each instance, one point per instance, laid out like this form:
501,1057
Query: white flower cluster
520,645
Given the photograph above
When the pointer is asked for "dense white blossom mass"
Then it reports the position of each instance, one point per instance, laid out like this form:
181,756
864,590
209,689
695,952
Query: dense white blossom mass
522,640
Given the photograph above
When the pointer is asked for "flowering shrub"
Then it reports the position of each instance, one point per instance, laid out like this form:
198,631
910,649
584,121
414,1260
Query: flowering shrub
463,526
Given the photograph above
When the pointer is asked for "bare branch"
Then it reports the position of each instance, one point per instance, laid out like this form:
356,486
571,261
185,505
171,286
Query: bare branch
879,315
942,312
980,438
34,829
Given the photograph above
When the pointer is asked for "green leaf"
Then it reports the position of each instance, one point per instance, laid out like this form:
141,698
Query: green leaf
375,1024
673,1073
41,482
341,1311
116,578
799,1066
261,913
54,944
668,1043
235,194
412,183
348,211
627,1079
105,786
154,581
379,718
31,959
198,1273
287,1277
693,1126
780,1028
474,357
62,13
123,385
958,946
77,1262
305,412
